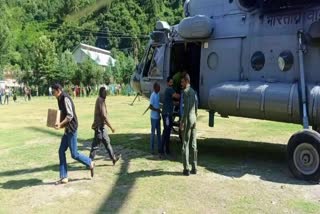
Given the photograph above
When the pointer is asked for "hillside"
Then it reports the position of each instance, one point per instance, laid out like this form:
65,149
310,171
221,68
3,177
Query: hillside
29,27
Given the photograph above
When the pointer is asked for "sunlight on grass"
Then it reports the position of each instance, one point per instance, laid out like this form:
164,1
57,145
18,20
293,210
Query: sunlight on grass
241,165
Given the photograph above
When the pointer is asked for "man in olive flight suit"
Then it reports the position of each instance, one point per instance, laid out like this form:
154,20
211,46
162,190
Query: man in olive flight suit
188,126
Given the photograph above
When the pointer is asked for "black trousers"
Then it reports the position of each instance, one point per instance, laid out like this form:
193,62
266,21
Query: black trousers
101,136
167,126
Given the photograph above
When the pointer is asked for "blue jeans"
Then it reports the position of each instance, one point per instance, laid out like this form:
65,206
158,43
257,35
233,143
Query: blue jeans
70,140
155,125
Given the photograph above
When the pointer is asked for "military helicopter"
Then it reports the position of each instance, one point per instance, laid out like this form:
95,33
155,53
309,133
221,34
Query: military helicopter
247,58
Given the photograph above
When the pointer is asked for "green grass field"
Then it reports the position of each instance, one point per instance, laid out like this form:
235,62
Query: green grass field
242,166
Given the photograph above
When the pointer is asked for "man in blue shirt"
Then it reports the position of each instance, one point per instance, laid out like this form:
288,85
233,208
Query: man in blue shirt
167,115
155,116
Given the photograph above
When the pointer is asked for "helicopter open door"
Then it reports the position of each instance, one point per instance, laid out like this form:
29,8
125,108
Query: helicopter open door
186,56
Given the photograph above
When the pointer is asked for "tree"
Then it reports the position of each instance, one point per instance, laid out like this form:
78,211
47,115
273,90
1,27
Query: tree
45,61
67,68
89,73
123,68
4,34
35,34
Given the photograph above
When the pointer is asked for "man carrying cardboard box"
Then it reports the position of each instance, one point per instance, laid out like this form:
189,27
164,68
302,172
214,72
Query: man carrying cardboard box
69,122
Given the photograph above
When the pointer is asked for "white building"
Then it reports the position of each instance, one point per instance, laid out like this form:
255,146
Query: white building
84,52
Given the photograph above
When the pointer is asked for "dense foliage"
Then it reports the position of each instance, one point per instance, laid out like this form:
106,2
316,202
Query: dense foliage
38,36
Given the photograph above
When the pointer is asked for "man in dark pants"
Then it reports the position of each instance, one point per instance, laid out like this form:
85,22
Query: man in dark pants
167,115
188,125
69,139
1,96
100,132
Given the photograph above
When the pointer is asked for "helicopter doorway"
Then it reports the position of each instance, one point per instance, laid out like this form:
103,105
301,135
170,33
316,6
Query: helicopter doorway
186,55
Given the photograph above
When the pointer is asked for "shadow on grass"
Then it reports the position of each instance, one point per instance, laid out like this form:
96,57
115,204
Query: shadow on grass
18,184
232,158
124,184
53,167
227,157
45,131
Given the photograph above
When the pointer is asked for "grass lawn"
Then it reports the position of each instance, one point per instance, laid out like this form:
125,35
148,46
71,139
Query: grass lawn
242,166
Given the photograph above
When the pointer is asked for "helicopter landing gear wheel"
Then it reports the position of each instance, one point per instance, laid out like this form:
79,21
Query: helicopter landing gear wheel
303,152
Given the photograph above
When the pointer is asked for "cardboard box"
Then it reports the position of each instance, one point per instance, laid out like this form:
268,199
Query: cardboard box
53,117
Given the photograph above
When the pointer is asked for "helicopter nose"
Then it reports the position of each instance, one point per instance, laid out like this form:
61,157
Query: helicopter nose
135,82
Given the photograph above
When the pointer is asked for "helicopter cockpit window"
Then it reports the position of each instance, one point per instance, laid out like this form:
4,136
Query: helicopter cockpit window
154,62
285,60
258,60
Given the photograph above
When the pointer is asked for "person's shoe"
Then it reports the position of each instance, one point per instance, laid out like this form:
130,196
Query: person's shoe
92,169
193,171
62,181
186,172
161,156
116,158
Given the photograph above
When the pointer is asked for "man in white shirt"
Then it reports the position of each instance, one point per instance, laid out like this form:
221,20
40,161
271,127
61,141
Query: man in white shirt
155,117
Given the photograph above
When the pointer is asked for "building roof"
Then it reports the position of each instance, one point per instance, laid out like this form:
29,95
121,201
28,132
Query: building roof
100,56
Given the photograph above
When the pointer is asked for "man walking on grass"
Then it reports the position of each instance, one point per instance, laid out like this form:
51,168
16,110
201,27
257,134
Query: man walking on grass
69,122
100,131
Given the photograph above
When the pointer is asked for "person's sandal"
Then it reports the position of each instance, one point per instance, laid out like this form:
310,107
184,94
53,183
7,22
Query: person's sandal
62,181
116,158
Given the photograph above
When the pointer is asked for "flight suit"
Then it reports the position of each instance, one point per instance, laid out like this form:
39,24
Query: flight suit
189,132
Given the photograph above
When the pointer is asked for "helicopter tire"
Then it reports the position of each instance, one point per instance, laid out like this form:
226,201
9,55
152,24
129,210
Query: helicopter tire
303,151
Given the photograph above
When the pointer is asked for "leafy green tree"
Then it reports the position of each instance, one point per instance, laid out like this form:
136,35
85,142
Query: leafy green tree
4,34
67,68
36,34
45,61
123,68
91,73
107,75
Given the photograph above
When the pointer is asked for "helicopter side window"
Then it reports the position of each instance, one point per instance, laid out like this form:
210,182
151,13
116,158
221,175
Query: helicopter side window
157,62
154,62
148,62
